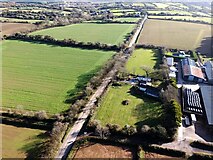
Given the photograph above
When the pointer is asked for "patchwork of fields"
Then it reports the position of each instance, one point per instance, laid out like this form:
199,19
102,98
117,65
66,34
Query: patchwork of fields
17,142
173,34
38,76
139,111
90,32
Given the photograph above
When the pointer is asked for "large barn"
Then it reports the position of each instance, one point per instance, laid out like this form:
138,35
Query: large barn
190,71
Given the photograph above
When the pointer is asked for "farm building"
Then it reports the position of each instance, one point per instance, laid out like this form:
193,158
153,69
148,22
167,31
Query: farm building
209,71
207,95
170,61
192,102
190,71
149,90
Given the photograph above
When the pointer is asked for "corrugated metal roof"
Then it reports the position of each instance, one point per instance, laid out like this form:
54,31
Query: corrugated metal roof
207,94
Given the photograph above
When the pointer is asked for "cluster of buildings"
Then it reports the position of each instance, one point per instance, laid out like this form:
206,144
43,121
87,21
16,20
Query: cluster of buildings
196,102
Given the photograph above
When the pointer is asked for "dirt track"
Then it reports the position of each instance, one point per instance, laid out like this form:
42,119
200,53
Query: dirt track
10,28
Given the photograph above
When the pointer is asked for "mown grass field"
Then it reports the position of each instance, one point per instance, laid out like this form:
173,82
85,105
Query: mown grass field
18,142
126,19
171,34
139,58
38,76
90,32
204,19
140,110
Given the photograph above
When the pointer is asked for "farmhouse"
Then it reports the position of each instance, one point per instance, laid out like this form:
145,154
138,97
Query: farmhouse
190,71
149,90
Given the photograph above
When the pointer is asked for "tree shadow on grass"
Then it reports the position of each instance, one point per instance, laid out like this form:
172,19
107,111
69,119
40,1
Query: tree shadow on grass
147,113
82,80
34,148
206,47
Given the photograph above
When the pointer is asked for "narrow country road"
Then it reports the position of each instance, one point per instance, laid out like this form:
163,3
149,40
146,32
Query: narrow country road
72,135
76,128
139,30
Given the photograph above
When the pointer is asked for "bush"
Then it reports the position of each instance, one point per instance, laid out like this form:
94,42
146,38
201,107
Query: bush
201,156
164,151
202,145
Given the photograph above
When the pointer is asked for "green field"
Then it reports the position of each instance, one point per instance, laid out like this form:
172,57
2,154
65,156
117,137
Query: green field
18,142
139,58
122,10
89,32
138,4
204,19
170,12
38,77
126,19
140,110
161,5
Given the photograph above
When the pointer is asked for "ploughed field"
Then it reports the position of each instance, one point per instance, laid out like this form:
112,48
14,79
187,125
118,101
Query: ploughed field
90,32
10,28
171,34
18,142
39,76
98,150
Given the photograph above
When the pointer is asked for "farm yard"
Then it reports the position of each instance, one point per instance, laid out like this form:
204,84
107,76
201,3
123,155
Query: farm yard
19,142
10,28
173,34
38,76
98,150
139,58
139,111
90,32
204,19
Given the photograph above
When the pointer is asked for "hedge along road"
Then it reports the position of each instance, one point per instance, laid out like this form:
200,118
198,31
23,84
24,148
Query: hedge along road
73,133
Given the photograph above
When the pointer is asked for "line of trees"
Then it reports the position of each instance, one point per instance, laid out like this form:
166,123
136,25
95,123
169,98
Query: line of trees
65,42
182,20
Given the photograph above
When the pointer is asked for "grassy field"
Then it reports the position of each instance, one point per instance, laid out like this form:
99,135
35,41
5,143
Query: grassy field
170,12
140,110
89,32
204,19
18,142
161,5
122,10
138,4
171,34
141,57
38,77
126,19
